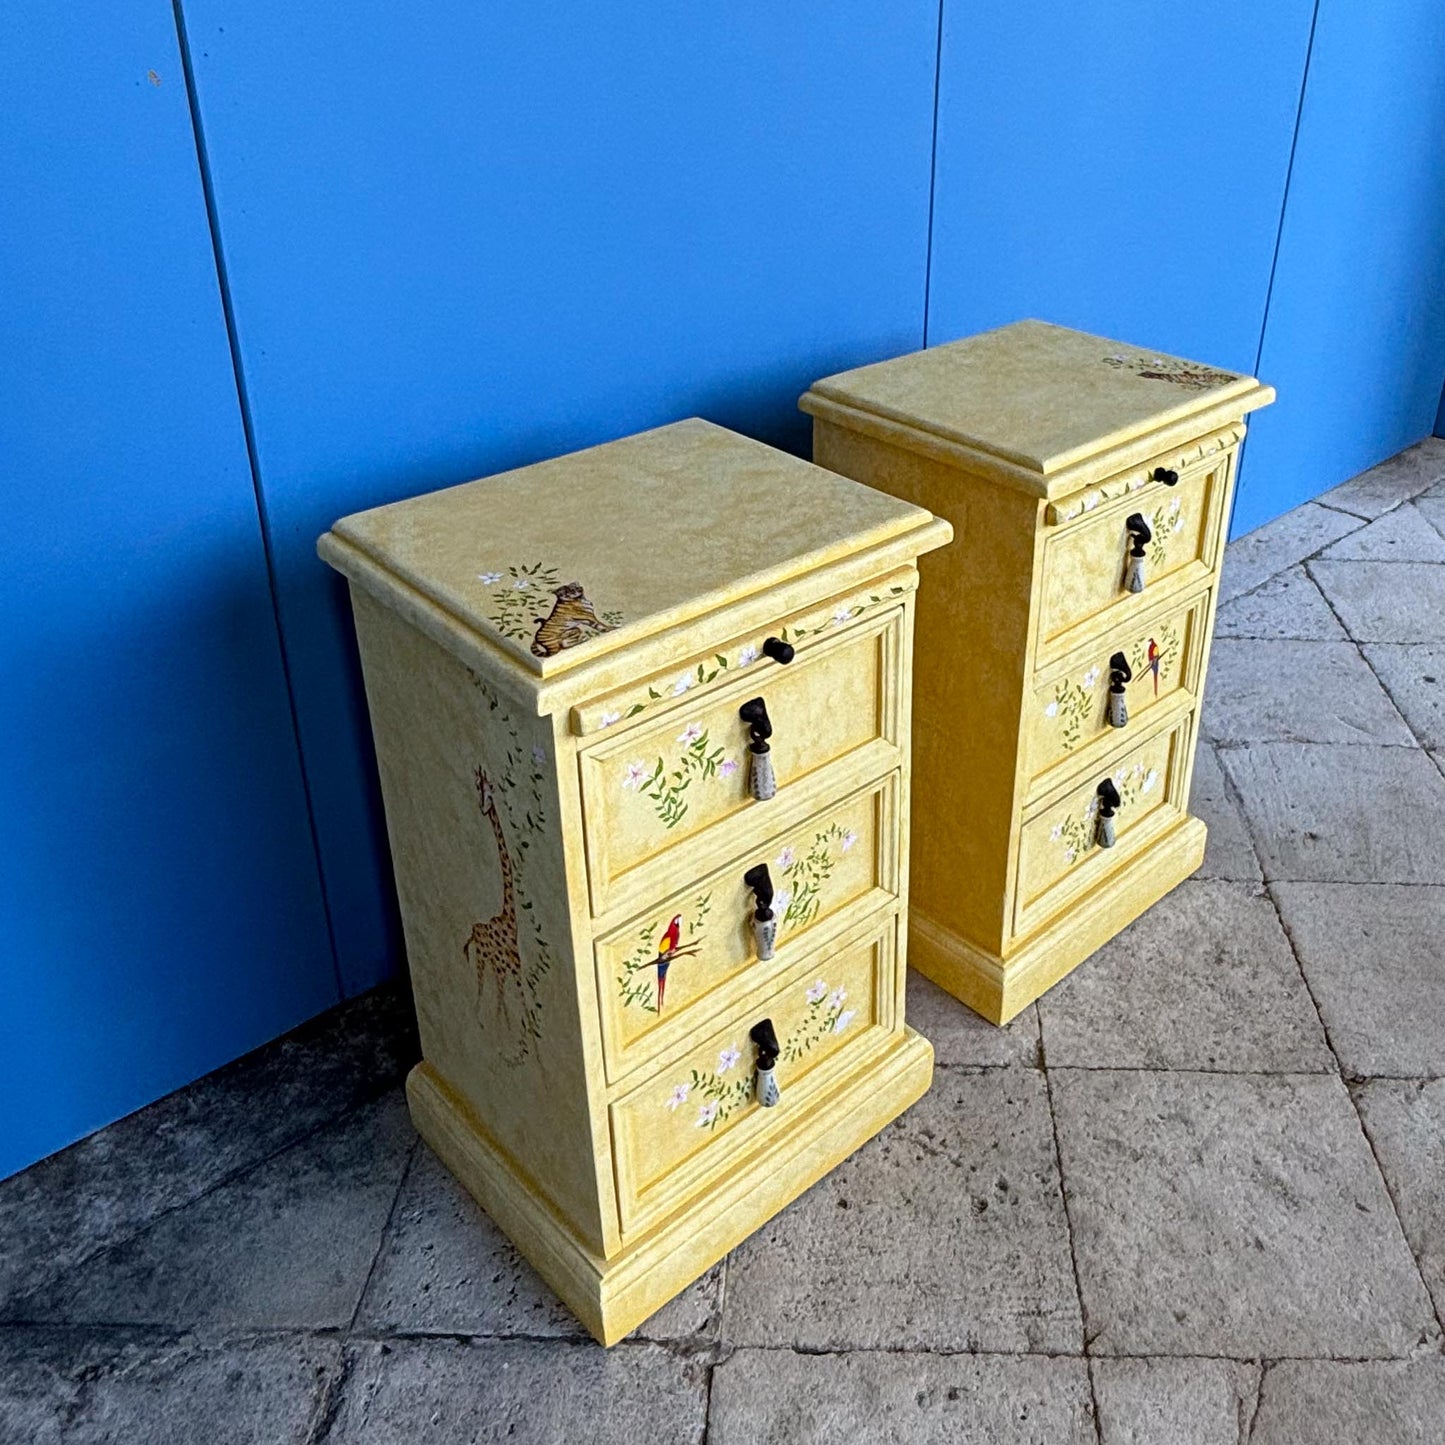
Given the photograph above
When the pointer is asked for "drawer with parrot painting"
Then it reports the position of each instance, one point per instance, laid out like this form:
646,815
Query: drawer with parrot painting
1099,824
1105,565
692,955
714,776
697,1113
1085,704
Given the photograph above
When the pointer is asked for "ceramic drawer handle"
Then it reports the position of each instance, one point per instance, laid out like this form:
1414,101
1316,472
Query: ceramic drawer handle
765,1040
1120,675
1109,803
778,650
1167,475
762,782
1139,536
765,925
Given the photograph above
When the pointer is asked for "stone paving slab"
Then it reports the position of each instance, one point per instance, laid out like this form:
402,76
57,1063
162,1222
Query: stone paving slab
445,1392
1302,692
1402,535
1228,852
1232,1215
113,1183
1414,676
1385,601
119,1388
287,1245
1322,813
445,1268
1374,492
960,1036
1204,980
1270,549
1174,1401
946,1232
777,1397
1405,1120
1374,956
1287,606
1321,1402
1431,506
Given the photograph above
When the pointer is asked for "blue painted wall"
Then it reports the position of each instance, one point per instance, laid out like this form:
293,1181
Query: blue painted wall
159,905
463,238
1355,341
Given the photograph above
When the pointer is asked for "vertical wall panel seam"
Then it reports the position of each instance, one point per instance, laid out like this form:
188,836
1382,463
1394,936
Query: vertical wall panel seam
1288,176
248,431
932,171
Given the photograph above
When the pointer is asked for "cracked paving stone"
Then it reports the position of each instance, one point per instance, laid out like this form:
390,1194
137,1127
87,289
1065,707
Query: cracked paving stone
1386,601
445,1392
1287,606
1233,1215
777,1397
1414,676
288,1244
1395,480
445,1268
1174,1401
1402,535
947,1231
1228,852
1377,1402
1270,549
960,1036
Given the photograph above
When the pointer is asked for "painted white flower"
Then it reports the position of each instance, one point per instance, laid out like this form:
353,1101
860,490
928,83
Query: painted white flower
785,859
728,1058
682,685
707,1114
781,900
608,718
1150,778
1056,833
690,734
835,999
539,755
1121,774
1091,501
849,839
1138,770
817,991
843,1020
1092,808
1119,357
521,584
636,772
842,615
1051,710
489,577
1069,855
678,1097
749,655
1178,525
727,767
1091,677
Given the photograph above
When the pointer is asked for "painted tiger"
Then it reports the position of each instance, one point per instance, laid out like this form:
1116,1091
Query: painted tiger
571,620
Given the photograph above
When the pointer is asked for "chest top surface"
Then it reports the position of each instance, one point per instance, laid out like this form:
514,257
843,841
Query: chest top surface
1039,396
561,562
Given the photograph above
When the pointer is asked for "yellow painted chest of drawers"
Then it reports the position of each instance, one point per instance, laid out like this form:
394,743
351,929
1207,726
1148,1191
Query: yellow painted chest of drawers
1063,638
579,676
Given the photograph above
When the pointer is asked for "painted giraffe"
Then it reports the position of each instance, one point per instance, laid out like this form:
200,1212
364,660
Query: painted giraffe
492,947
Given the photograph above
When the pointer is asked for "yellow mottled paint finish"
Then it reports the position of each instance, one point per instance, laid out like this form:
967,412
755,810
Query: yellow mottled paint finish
1039,444
554,662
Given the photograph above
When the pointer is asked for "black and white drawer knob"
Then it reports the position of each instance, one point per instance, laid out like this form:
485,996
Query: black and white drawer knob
762,782
765,1041
765,923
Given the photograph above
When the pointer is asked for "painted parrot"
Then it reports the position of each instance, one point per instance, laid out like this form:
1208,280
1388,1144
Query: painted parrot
1153,664
666,949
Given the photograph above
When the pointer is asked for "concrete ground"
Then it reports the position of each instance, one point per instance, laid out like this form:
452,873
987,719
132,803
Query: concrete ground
1195,1196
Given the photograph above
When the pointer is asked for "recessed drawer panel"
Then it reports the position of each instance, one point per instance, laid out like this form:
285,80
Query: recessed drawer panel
656,787
676,1133
1067,716
1084,586
1059,853
693,953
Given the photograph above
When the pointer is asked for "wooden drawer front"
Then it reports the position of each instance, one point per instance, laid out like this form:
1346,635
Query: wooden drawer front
1083,592
676,1133
1065,718
819,869
656,787
1058,856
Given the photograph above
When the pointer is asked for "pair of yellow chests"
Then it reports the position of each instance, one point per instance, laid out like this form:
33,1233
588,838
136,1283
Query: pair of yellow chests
678,770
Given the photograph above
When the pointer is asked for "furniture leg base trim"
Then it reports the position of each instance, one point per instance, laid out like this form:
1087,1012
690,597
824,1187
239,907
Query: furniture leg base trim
997,987
613,1296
